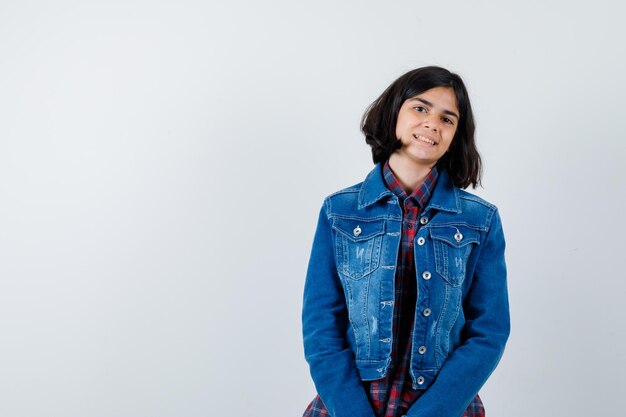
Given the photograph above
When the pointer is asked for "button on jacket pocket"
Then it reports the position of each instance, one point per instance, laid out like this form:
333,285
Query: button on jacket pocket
453,245
358,245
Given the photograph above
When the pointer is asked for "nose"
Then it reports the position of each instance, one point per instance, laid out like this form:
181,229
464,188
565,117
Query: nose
431,123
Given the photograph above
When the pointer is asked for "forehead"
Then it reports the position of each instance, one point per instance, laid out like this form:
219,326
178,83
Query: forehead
438,97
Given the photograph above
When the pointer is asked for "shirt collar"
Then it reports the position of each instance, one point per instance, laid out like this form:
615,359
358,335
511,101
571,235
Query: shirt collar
445,196
420,195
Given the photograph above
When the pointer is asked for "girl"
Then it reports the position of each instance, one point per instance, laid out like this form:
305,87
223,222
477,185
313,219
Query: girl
405,307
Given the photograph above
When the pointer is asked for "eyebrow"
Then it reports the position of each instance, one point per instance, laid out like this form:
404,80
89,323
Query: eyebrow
429,104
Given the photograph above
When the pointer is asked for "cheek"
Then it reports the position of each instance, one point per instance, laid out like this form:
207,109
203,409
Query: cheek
451,138
403,123
399,127
452,133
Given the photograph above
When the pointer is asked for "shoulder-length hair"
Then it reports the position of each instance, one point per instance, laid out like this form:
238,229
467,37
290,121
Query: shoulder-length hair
462,161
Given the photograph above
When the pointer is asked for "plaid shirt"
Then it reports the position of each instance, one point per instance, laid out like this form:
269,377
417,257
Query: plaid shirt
393,395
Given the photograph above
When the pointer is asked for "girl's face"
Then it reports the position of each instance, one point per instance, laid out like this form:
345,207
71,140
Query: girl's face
426,126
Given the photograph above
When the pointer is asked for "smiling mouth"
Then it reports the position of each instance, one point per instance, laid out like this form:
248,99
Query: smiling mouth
424,139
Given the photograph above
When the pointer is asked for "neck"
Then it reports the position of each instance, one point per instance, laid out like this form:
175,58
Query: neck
409,175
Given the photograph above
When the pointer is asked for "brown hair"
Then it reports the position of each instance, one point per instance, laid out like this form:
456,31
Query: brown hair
462,161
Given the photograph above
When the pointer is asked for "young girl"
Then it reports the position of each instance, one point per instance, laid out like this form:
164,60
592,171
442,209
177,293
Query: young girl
405,303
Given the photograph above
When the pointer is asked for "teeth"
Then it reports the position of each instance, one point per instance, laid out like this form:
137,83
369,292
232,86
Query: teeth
423,139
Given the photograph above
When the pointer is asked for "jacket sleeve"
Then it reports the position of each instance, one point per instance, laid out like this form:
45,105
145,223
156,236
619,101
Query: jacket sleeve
486,331
324,324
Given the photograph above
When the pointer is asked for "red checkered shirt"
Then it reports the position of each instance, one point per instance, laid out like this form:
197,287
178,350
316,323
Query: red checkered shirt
393,395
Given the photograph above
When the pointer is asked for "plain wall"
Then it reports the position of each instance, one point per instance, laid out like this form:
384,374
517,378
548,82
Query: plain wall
162,164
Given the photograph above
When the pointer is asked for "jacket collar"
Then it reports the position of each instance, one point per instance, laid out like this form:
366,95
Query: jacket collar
445,195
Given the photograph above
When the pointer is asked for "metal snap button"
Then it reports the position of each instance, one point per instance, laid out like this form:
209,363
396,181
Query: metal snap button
458,236
422,350
426,312
357,231
426,275
421,241
420,380
424,220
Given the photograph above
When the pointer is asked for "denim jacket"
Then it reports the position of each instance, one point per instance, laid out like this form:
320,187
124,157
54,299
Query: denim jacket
462,313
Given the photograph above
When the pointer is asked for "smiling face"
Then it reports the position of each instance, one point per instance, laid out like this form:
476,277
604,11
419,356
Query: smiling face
426,126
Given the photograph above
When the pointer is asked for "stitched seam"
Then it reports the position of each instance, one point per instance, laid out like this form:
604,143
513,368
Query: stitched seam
349,190
455,224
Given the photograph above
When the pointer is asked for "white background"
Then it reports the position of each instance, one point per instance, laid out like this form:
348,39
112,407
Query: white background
162,165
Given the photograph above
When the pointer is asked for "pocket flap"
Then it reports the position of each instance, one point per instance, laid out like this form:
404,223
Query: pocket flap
457,236
358,230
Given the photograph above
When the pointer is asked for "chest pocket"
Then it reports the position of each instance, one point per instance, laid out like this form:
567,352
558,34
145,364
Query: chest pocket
453,245
358,245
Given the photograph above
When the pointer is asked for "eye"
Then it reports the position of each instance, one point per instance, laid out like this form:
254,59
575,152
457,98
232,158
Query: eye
420,109
447,120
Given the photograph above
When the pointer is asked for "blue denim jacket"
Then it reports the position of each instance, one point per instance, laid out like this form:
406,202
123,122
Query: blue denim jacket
462,311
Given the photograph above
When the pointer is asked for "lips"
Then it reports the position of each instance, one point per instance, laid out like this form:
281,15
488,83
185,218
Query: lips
424,139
